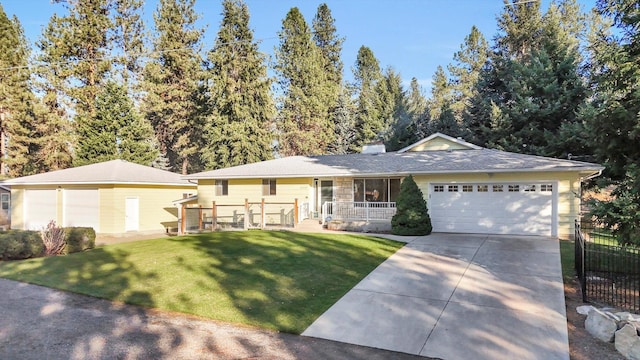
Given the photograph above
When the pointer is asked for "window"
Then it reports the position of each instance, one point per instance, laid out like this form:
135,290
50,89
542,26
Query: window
483,188
438,188
4,201
452,188
467,188
222,187
498,188
376,190
268,187
529,188
546,187
514,188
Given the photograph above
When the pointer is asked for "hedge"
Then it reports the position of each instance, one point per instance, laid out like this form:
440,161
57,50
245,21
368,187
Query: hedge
24,244
79,239
20,244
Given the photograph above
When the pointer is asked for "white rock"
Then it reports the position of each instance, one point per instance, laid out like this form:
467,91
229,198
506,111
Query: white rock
584,309
628,343
600,325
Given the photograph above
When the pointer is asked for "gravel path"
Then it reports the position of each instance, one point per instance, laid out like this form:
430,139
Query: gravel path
42,323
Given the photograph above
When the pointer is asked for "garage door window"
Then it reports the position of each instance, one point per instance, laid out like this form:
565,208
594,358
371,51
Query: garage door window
453,188
438,188
514,188
467,188
546,187
483,188
498,188
529,188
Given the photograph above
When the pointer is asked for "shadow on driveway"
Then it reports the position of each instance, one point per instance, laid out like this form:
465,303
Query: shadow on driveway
42,323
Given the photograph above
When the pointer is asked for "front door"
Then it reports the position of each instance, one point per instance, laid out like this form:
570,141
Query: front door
324,193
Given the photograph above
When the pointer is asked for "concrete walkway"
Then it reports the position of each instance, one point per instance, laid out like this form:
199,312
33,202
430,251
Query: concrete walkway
455,296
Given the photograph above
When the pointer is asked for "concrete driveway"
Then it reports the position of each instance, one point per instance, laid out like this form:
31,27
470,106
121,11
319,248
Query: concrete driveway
458,296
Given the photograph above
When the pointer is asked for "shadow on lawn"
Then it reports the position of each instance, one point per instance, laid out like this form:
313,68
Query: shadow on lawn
38,322
284,280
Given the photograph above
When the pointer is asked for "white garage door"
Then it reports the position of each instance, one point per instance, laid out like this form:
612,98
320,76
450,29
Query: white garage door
495,208
40,207
82,208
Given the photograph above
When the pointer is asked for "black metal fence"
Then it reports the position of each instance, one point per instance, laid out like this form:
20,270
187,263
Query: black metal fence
609,273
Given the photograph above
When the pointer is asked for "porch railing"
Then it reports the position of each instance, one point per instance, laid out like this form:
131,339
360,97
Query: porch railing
357,210
250,215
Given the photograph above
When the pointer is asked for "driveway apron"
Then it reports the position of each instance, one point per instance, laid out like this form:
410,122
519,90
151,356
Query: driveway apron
458,296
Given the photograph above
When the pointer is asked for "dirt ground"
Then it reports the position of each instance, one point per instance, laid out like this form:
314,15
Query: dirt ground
583,346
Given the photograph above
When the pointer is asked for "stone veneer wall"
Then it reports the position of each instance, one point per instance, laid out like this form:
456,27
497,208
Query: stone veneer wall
343,189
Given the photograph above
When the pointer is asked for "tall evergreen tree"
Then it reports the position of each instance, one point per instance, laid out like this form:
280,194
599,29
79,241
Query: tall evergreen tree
16,100
303,123
116,131
371,87
241,103
441,93
171,80
54,129
465,72
344,123
615,124
330,44
82,39
129,39
532,87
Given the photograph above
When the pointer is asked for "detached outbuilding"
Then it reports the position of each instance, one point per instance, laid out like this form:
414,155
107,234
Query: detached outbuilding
113,197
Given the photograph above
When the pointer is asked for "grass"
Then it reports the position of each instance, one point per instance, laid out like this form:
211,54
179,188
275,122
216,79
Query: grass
275,280
567,258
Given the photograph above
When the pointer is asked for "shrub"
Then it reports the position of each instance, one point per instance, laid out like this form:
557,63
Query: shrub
412,217
79,239
20,244
53,239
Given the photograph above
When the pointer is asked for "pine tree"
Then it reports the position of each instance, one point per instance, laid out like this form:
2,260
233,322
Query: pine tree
465,73
53,134
54,131
171,80
615,124
129,39
16,100
116,131
303,123
371,88
82,40
344,123
532,87
412,216
241,104
330,45
441,93
400,127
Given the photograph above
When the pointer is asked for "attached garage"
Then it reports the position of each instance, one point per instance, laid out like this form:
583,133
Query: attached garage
82,208
41,206
494,208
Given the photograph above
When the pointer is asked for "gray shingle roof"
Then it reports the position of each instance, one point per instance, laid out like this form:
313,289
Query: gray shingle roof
108,172
395,163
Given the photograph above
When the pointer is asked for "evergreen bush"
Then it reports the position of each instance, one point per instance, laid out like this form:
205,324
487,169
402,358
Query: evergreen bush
79,239
412,217
20,244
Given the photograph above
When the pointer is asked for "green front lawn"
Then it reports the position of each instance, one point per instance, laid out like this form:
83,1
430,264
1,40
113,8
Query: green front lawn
271,279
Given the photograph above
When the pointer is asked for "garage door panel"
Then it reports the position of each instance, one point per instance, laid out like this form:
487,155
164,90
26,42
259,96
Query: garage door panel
82,208
506,212
41,206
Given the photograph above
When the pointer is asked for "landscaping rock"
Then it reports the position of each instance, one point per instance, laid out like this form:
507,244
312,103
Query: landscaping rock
584,309
627,342
600,325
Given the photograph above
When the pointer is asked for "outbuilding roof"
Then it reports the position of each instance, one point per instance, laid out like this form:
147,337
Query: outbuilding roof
108,172
398,164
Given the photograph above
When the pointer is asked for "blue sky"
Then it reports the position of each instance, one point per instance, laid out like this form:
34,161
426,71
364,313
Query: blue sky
412,36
